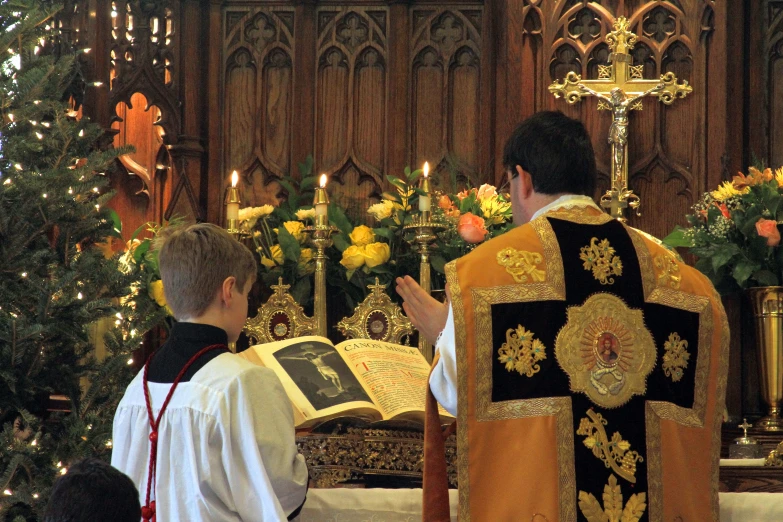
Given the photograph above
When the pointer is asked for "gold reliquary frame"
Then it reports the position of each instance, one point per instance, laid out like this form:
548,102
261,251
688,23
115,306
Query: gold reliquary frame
281,317
377,318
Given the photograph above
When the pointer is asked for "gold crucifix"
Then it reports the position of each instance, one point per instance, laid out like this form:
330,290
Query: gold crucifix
620,88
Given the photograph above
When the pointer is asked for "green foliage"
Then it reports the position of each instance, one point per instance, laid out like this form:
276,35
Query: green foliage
735,232
61,286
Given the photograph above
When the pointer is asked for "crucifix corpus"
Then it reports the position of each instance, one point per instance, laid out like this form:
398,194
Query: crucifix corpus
620,88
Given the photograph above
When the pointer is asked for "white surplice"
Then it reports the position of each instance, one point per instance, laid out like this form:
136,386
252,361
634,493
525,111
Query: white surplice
226,448
443,379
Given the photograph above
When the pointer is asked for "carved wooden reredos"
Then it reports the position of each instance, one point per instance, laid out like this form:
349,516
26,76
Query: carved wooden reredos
371,86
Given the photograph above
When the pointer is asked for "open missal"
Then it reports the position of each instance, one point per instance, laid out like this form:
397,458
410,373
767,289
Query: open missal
362,378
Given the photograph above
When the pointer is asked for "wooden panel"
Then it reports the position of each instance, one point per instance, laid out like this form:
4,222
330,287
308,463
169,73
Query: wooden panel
257,94
446,88
351,100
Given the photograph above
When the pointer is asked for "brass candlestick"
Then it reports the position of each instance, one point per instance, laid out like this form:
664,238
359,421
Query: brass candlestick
424,235
321,238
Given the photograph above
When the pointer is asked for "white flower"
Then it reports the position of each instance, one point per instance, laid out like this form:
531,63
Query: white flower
255,212
249,215
304,214
381,210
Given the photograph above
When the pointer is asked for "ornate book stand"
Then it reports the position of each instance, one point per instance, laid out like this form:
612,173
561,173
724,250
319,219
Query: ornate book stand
382,454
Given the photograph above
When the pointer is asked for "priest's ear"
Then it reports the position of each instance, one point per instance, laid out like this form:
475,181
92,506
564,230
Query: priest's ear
524,184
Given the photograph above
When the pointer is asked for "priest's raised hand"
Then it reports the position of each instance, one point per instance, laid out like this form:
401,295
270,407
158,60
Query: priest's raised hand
426,313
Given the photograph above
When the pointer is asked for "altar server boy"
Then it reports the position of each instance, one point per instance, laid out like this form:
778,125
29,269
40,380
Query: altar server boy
204,434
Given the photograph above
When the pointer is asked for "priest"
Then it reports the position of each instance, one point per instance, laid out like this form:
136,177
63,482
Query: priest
585,362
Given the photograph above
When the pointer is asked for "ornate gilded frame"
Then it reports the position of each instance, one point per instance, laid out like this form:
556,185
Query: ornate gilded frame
281,317
377,318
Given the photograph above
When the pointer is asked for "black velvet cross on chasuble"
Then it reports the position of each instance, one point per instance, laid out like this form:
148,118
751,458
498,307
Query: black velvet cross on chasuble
614,356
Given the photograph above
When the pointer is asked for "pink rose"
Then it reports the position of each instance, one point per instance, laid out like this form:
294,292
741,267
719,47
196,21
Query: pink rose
471,228
768,228
487,191
462,195
445,202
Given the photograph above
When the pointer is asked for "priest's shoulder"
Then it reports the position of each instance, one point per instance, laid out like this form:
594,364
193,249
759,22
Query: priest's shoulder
664,259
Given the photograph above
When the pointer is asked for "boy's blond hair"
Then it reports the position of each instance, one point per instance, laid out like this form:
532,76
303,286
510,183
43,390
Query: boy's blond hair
194,261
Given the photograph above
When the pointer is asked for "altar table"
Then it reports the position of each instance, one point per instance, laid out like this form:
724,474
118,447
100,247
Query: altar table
404,505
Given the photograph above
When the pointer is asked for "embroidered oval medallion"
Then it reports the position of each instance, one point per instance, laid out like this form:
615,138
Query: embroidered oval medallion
606,350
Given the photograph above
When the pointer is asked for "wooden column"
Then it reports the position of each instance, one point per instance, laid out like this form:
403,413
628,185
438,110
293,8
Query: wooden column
190,184
214,111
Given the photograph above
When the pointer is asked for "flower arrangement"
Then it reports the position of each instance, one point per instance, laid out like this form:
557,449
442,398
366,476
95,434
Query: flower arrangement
369,246
735,231
472,216
279,238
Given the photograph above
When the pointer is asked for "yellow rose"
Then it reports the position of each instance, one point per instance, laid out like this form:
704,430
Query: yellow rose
376,254
296,229
306,264
353,257
362,235
277,257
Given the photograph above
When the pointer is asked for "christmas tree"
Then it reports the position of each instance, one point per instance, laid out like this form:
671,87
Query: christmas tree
58,274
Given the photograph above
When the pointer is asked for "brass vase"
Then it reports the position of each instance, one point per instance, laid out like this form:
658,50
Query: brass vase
767,306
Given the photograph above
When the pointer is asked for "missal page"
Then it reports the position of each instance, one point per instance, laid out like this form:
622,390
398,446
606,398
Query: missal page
394,375
316,379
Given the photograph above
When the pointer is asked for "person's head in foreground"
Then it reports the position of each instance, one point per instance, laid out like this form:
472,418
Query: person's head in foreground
93,491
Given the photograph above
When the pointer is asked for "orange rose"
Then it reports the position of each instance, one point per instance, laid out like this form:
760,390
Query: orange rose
445,202
471,228
768,228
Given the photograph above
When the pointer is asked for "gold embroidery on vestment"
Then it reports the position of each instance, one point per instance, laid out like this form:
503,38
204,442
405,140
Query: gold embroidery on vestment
667,270
675,357
615,453
559,408
606,350
521,351
600,257
612,509
522,265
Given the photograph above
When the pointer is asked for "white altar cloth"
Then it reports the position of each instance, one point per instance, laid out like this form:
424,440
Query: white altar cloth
404,505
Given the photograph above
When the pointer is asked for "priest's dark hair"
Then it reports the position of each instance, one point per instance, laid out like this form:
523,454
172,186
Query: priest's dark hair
93,490
556,151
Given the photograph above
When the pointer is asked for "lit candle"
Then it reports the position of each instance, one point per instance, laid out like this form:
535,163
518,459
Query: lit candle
424,200
321,203
232,203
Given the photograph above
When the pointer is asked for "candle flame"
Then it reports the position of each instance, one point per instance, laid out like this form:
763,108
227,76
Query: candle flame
234,178
323,180
426,169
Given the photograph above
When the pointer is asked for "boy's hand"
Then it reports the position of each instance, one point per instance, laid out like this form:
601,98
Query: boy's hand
426,313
